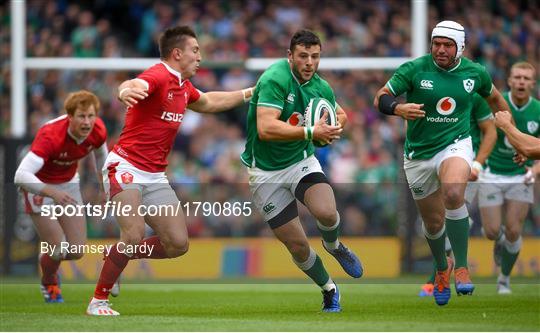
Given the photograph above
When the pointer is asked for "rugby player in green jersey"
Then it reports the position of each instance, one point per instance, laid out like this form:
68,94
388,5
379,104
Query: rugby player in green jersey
438,148
483,136
506,183
282,167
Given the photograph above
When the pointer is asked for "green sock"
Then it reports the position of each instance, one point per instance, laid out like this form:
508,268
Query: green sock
508,258
318,273
436,244
314,268
329,234
433,272
457,227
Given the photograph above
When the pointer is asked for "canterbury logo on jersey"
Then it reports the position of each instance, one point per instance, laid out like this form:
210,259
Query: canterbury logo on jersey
171,116
426,84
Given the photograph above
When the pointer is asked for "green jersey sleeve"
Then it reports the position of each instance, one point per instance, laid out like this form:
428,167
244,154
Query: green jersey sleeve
401,81
481,110
486,85
271,93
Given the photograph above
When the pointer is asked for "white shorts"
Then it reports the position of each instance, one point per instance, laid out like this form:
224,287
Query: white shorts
471,191
494,189
273,191
34,202
423,175
119,175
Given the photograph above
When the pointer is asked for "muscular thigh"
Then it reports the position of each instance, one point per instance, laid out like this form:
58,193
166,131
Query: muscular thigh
74,228
169,224
49,230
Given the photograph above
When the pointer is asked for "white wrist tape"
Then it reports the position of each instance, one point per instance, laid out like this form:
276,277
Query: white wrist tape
244,92
122,91
477,165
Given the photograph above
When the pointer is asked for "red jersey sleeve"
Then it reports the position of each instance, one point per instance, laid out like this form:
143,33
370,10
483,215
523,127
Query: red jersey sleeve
153,76
194,93
43,144
100,132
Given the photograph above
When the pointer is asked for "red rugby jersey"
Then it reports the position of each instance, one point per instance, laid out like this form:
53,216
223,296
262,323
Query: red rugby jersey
61,152
152,124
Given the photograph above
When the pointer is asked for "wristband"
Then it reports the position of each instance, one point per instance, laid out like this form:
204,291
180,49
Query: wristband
387,104
244,91
308,133
477,165
122,91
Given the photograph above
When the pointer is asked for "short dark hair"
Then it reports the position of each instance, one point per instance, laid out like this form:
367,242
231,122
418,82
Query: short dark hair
304,37
174,38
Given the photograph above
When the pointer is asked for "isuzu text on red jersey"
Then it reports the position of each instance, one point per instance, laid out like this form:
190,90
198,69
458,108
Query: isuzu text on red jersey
152,124
61,152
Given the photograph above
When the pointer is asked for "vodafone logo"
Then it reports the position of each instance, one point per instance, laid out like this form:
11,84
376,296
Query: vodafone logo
296,119
446,106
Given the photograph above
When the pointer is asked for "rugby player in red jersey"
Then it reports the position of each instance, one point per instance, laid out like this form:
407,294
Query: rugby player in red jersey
134,172
48,175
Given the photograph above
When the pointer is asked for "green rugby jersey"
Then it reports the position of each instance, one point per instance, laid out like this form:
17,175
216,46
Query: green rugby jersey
447,97
527,120
278,88
480,112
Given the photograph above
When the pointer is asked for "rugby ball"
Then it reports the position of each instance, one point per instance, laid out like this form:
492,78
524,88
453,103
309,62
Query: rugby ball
315,110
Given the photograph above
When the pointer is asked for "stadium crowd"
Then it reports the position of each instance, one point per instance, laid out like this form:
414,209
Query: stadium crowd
205,164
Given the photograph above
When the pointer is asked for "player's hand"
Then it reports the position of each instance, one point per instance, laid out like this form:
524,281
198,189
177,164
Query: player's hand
520,159
529,177
63,198
325,133
474,175
503,119
410,111
132,96
475,171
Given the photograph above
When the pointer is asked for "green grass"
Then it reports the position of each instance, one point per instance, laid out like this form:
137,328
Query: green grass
271,307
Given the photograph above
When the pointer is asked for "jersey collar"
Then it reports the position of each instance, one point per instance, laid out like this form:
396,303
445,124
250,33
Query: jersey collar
296,79
77,140
446,70
172,71
514,104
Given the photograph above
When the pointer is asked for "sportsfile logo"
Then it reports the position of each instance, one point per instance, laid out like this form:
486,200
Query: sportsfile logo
426,84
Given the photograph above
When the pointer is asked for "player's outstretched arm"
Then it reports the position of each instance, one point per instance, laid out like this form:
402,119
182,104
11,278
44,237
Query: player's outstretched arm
130,92
525,144
489,137
496,101
386,103
218,101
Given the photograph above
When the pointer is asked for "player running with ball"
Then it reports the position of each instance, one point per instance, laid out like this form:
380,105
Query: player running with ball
282,167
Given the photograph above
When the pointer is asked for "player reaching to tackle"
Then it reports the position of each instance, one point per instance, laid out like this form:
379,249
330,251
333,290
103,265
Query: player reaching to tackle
438,149
48,175
282,167
134,170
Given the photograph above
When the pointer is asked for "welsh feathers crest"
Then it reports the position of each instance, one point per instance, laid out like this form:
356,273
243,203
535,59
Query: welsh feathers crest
468,85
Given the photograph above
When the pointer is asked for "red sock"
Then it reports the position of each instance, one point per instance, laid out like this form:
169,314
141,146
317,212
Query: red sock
114,264
49,267
158,251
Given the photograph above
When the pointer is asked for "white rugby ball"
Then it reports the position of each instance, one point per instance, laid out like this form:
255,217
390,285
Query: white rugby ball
315,110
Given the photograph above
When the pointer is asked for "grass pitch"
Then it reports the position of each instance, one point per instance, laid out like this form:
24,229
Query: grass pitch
391,306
